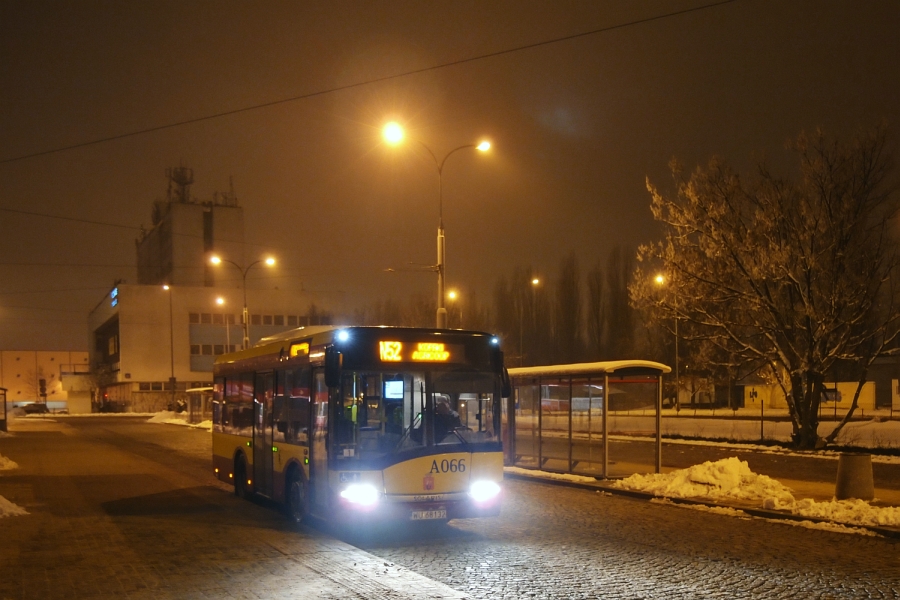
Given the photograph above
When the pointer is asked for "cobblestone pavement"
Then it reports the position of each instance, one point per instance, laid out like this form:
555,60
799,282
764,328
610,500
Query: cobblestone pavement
128,509
559,542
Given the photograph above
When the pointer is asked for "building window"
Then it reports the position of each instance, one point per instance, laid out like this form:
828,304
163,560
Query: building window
144,387
206,349
292,320
304,321
195,348
218,319
231,348
156,386
279,320
255,320
205,318
193,318
267,319
229,319
219,349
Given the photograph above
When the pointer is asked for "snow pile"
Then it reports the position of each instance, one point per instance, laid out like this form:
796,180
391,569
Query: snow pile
732,479
6,464
8,509
726,479
166,416
172,418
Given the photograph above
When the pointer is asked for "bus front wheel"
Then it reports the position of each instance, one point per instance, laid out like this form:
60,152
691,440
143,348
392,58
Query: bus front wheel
296,498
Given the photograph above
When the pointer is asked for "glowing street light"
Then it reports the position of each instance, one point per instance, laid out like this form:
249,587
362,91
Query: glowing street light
453,296
660,280
172,379
269,261
393,135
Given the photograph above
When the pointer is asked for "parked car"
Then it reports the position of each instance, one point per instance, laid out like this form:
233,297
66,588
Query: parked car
36,408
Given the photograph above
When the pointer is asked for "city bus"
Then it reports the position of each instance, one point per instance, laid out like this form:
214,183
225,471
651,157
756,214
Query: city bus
364,423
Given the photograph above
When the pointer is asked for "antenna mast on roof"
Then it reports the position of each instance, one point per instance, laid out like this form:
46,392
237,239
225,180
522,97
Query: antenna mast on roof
180,180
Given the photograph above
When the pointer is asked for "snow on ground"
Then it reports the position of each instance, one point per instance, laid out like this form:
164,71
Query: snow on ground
7,464
549,475
716,510
173,418
879,430
8,509
731,479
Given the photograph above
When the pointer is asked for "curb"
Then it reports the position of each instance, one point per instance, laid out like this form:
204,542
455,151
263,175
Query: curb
762,513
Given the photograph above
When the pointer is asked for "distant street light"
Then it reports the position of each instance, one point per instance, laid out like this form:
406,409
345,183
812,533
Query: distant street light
221,302
172,379
245,343
535,282
453,296
393,134
661,281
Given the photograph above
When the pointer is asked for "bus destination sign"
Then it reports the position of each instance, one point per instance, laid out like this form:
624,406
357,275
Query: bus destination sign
393,351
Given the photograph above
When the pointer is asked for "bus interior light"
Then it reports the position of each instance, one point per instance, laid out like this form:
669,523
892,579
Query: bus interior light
484,491
363,494
343,335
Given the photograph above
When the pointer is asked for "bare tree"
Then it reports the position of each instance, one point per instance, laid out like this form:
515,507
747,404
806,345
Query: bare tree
789,277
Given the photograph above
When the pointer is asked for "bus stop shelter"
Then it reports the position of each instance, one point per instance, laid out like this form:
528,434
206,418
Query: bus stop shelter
600,419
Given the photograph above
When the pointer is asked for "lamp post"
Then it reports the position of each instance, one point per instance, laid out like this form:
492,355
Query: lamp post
393,134
661,280
172,379
535,282
216,260
221,302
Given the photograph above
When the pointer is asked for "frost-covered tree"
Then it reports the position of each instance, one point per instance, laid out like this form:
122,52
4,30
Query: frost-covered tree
793,278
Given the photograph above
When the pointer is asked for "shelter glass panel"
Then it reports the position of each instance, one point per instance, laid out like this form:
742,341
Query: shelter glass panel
555,412
527,434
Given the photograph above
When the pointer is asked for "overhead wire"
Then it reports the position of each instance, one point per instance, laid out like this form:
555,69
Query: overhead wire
367,82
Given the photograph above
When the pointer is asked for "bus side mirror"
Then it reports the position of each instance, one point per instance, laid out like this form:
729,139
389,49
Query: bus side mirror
333,361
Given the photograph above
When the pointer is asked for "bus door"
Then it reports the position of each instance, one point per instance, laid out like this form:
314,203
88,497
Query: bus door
262,434
318,441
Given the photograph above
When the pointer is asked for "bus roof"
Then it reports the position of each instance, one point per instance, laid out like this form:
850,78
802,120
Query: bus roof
619,367
323,334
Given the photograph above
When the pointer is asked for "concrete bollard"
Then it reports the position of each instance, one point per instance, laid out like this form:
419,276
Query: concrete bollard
854,477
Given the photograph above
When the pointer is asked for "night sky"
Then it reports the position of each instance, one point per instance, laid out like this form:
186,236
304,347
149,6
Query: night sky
577,126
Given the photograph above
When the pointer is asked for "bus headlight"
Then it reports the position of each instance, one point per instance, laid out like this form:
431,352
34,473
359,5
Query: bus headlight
363,494
484,491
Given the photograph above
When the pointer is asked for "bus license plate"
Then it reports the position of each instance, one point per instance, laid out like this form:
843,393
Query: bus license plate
422,515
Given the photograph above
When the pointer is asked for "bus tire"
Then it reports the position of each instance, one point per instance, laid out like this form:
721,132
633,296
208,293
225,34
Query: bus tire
296,496
240,477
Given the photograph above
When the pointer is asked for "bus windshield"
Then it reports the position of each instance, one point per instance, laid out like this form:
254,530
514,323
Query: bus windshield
389,413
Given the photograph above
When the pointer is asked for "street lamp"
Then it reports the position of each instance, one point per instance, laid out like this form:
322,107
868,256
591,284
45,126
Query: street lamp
534,283
172,380
660,281
221,302
393,134
216,260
